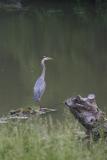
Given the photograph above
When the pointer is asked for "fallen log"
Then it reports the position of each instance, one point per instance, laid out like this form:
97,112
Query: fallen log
25,113
87,112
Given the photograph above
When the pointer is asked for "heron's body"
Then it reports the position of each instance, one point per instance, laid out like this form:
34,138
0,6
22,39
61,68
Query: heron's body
39,89
40,85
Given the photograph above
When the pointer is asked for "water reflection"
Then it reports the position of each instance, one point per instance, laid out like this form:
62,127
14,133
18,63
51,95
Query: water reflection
77,43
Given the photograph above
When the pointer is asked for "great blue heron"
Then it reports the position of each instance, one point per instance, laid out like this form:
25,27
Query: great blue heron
40,84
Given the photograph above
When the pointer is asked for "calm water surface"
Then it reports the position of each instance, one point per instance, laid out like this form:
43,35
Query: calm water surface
78,44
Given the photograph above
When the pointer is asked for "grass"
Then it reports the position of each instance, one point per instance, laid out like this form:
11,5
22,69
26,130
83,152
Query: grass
41,139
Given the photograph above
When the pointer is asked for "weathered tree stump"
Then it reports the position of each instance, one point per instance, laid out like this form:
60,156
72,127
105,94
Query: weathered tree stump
86,110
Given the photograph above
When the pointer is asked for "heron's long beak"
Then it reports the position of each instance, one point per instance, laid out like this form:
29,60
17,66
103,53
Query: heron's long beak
49,58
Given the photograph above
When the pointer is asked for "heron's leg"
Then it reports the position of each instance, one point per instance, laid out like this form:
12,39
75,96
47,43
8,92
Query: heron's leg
40,106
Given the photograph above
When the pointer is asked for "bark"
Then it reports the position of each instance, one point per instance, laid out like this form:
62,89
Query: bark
87,112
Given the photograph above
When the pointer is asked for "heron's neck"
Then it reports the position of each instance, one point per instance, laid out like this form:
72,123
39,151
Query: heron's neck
43,69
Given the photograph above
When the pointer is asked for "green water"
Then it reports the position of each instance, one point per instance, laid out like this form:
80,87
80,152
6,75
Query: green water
76,41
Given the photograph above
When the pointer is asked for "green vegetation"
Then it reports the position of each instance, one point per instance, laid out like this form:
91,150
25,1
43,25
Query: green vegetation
74,40
41,139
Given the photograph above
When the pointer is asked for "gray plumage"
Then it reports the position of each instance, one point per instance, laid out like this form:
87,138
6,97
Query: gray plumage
39,89
40,85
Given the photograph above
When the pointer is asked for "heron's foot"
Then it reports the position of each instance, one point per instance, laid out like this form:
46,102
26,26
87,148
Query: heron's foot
43,109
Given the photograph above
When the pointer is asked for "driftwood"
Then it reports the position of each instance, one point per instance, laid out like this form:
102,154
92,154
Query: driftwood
24,113
30,111
86,110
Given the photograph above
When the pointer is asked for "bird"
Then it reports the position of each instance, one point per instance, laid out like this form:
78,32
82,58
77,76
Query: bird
40,84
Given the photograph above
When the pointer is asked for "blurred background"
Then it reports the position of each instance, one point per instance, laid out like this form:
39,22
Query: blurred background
74,33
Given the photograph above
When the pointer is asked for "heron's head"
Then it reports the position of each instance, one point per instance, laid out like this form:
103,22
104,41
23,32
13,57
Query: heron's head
46,58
